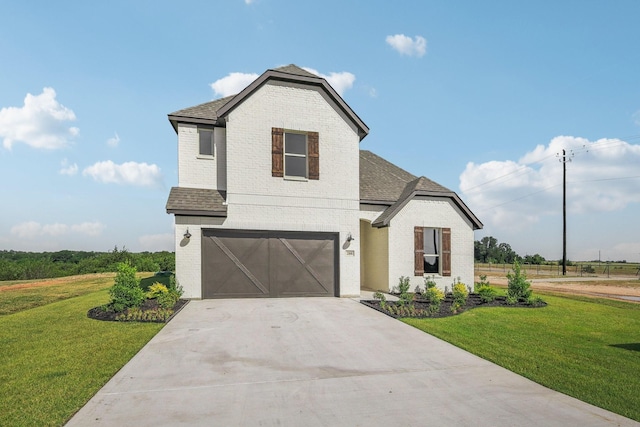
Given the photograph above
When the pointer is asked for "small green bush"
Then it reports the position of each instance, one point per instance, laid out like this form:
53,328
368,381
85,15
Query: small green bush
429,282
175,287
485,290
166,298
519,286
156,289
405,298
383,300
126,291
460,294
435,297
511,300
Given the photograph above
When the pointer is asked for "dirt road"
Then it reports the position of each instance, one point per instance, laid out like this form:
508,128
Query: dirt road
623,288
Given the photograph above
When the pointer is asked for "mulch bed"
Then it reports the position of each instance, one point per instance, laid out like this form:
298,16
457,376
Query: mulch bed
473,301
99,313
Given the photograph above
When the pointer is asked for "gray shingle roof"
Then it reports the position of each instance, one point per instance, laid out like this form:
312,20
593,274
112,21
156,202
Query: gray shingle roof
294,69
196,201
211,113
380,180
423,186
207,110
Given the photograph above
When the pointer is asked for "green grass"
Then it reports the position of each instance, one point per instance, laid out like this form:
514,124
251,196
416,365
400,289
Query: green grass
51,290
586,348
53,358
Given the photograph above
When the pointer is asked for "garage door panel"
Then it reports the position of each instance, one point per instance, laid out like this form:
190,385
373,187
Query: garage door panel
304,266
235,266
268,264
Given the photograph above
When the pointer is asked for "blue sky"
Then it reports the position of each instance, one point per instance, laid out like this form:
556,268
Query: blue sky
478,96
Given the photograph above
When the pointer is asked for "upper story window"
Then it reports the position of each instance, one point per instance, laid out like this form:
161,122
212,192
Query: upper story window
295,154
205,137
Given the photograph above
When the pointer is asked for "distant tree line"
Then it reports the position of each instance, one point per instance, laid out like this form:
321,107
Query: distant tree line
488,250
16,265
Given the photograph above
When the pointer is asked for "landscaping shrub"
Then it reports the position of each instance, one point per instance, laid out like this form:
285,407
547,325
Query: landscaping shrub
519,286
383,300
429,282
405,298
435,297
460,294
166,298
485,291
126,291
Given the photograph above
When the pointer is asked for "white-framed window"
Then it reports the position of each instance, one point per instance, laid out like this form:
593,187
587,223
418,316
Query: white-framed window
432,250
295,155
205,142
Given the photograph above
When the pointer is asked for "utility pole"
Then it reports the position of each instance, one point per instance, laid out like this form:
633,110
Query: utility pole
564,161
564,213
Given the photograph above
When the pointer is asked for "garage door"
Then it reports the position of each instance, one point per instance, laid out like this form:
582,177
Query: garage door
239,263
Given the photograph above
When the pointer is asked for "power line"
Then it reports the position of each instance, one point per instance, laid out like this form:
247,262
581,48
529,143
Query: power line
596,146
554,186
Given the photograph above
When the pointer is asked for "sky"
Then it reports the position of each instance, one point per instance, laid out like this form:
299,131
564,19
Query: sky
481,97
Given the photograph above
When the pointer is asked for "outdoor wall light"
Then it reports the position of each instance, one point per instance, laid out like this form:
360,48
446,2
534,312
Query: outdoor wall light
187,235
350,237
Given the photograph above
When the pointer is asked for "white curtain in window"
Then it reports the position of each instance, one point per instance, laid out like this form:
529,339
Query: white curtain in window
431,245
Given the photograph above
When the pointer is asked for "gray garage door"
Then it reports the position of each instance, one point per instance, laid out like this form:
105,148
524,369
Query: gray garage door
239,263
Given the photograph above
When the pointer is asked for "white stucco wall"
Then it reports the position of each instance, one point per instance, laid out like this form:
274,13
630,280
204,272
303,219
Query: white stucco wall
430,212
258,201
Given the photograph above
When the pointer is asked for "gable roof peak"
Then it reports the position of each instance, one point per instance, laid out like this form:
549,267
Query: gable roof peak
294,69
423,183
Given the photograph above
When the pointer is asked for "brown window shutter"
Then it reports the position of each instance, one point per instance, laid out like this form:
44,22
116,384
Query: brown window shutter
313,140
277,152
418,249
446,252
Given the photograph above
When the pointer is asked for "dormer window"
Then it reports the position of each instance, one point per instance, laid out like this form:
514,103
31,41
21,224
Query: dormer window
205,137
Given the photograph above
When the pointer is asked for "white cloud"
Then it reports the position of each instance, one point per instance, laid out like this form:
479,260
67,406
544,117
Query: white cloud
89,228
128,173
248,1
114,141
33,229
68,169
408,46
40,123
157,242
339,81
602,176
233,83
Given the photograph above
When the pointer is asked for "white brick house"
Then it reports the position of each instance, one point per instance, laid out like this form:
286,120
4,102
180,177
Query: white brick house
272,199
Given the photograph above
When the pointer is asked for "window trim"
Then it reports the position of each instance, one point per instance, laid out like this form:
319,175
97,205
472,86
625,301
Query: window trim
213,143
444,267
278,154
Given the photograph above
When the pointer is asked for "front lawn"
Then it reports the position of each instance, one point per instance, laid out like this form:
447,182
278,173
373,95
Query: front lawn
54,358
586,348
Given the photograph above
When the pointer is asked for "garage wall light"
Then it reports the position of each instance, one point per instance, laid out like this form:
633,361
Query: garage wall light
187,235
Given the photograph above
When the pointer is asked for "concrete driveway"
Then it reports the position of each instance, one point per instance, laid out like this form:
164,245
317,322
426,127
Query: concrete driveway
318,362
